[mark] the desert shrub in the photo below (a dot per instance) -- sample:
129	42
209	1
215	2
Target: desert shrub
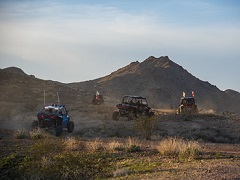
115	146
146	126
49	159
68	165
95	145
9	166
46	146
73	144
177	147
134	148
22	134
120	172
133	144
36	134
133	141
189	154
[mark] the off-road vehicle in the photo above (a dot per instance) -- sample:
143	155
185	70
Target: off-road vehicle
55	117
132	107
97	99
187	106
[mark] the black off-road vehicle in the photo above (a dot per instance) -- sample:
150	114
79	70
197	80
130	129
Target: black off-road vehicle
187	106
55	117
132	107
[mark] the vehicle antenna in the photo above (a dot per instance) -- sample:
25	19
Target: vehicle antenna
44	97
58	98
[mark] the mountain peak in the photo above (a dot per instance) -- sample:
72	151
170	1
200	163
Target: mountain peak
14	70
162	62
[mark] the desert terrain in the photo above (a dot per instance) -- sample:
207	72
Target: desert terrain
166	146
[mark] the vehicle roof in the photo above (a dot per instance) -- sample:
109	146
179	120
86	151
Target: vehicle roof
54	106
132	96
187	98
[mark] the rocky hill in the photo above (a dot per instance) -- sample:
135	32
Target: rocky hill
98	138
162	81
159	79
22	95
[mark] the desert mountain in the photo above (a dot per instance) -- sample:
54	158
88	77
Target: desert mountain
14	70
22	95
159	79
162	81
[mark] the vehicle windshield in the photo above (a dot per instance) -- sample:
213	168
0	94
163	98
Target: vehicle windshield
190	101
187	101
142	101
48	111
134	100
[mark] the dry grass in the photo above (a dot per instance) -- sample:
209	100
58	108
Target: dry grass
100	145
36	134
130	141
178	147
73	144
120	172
95	145
46	161
114	146
146	126
21	134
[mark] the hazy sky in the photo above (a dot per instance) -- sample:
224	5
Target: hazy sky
73	41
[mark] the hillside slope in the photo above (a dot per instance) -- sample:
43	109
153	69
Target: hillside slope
22	95
162	81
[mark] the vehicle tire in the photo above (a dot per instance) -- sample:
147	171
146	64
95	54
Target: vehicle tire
58	130
70	126
35	124
182	110
130	117
151	114
196	110
178	110
115	115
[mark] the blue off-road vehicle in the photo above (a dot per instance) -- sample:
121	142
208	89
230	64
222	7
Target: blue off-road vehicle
54	116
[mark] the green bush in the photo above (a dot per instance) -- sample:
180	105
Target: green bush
189	154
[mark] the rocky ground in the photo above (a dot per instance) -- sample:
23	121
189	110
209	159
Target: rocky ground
218	137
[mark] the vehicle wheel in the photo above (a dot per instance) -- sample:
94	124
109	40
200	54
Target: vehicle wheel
130	117
115	115
35	124
70	126
178	110
58	130
150	114
182	110
196	111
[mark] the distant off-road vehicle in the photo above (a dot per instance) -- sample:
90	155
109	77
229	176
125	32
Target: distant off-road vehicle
187	106
132	107
54	116
97	99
